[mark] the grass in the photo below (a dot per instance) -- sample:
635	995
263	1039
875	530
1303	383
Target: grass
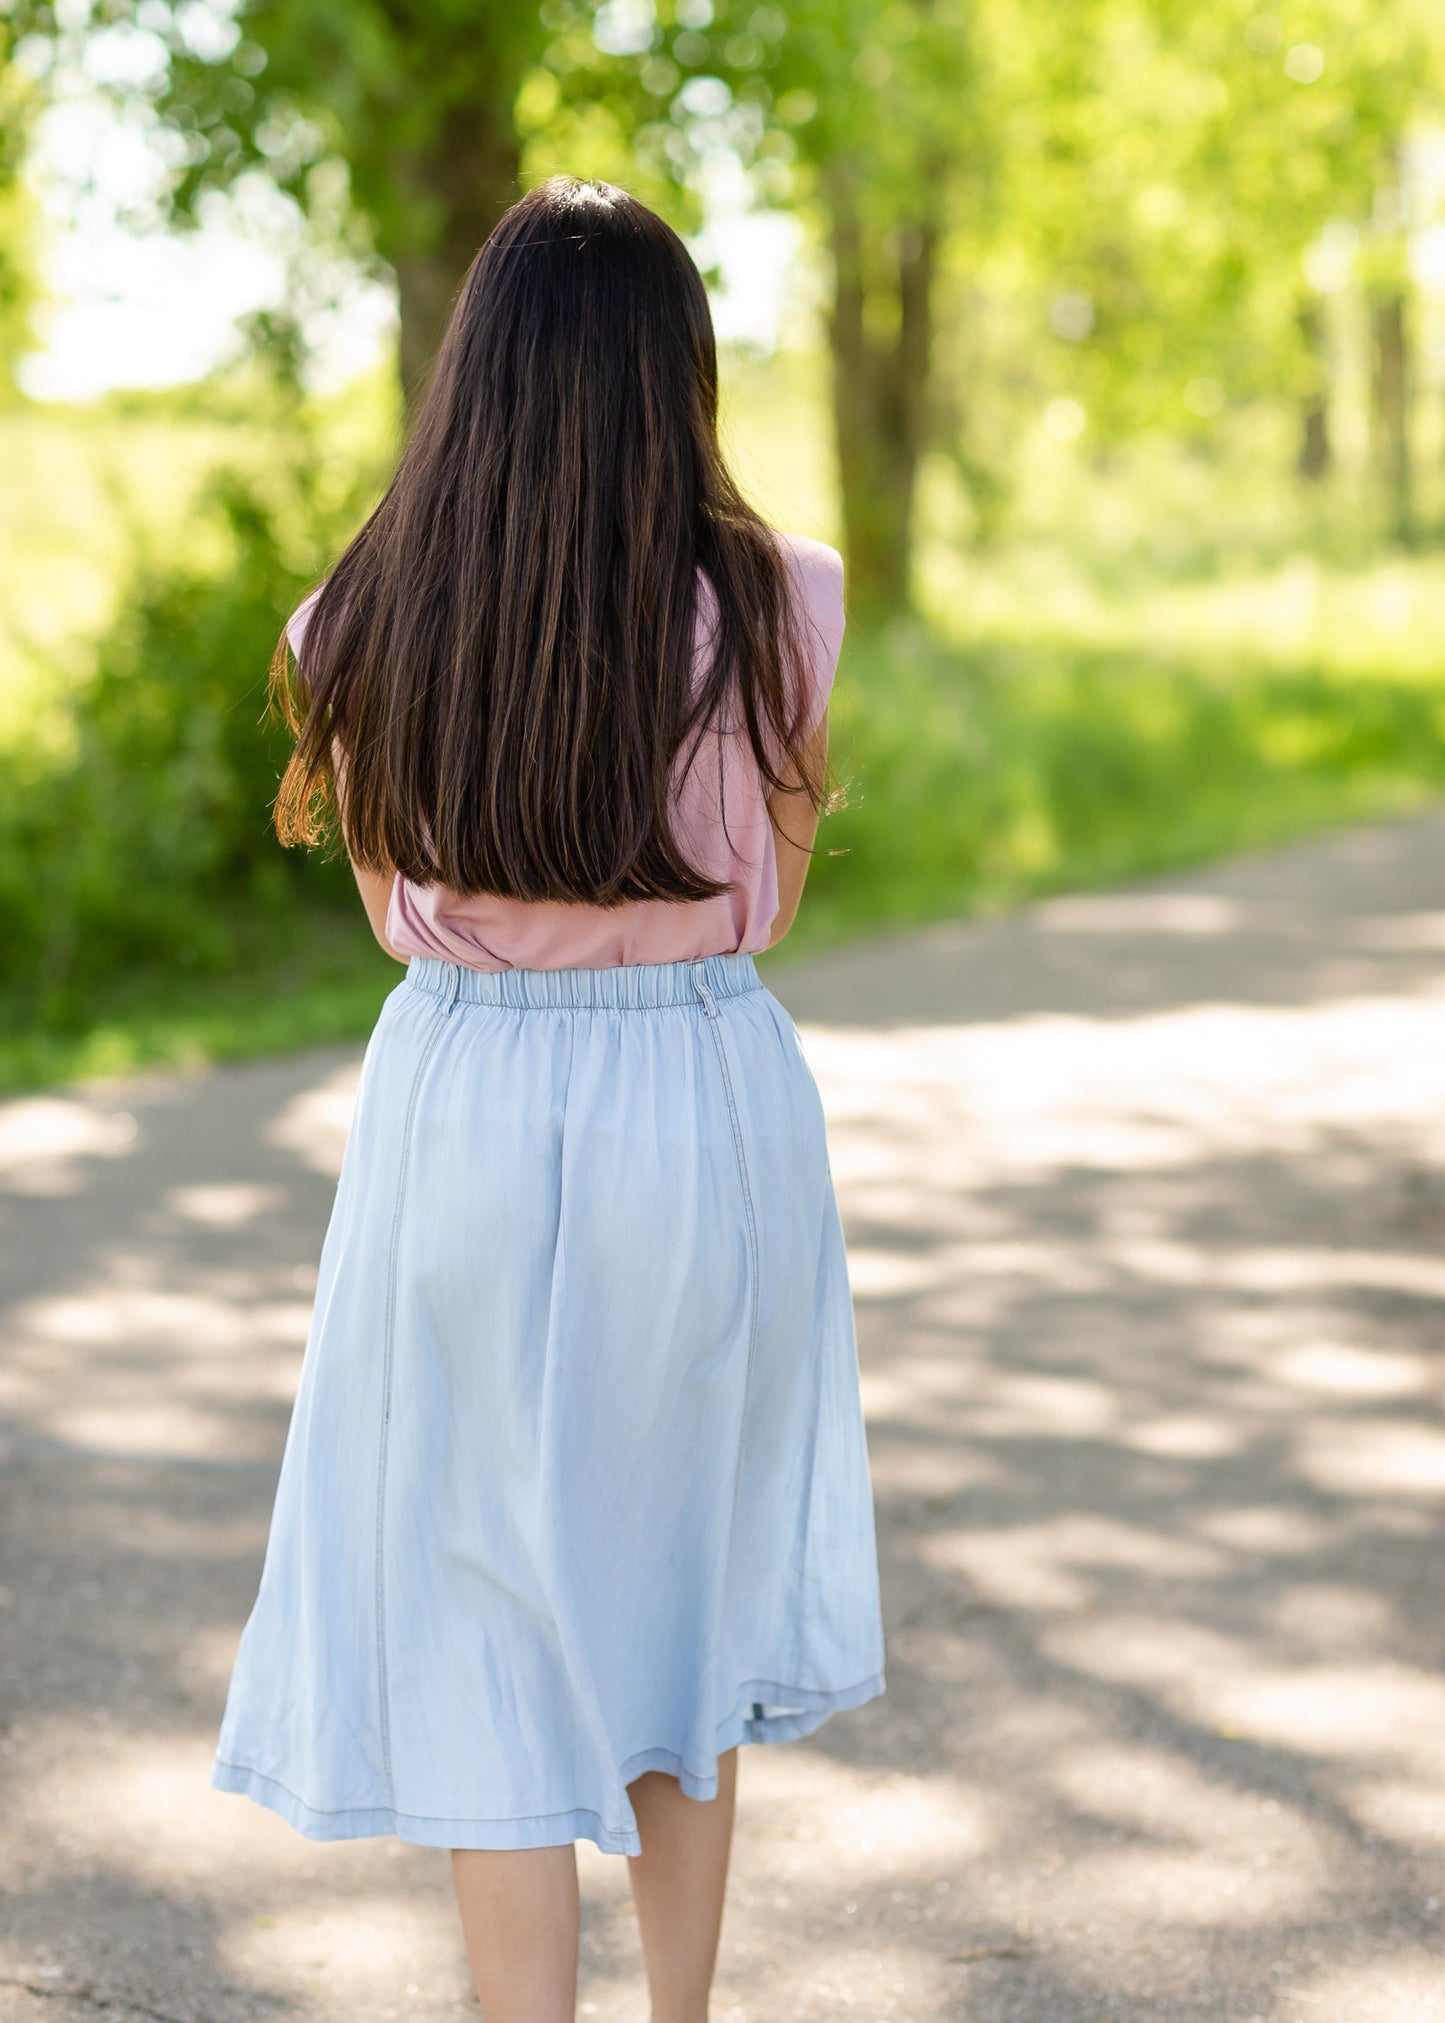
982	775
187	1026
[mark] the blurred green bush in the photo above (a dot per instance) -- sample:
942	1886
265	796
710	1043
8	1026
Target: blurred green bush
981	774
138	846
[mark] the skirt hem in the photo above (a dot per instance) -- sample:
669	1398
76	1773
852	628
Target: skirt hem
806	1710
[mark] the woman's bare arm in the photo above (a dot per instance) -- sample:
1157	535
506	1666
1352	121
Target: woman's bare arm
374	886
795	827
375	889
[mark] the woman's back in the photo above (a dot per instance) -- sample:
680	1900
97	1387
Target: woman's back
720	820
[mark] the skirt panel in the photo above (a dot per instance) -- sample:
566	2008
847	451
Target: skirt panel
576	1482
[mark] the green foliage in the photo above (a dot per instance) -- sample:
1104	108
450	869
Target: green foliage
391	131
142	846
1171	164
18	285
296	91
1110	201
983	774
882	84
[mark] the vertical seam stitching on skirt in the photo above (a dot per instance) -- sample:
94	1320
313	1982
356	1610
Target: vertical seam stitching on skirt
752	1229
388	1338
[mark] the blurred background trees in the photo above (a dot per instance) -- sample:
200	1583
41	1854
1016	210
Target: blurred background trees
18	106
1112	352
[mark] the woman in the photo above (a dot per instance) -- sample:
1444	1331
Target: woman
575	1495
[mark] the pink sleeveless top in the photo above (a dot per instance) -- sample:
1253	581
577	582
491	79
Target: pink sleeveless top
484	932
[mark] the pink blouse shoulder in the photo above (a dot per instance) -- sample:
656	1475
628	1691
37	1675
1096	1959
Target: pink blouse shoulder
816	573
300	618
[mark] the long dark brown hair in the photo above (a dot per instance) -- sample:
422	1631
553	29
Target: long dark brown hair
501	661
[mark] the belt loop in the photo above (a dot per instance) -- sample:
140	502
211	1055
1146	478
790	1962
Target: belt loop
709	1002
454	985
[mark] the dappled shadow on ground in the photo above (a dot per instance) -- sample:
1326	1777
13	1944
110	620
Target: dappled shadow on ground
1149	1291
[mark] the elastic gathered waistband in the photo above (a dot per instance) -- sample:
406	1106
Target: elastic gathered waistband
635	986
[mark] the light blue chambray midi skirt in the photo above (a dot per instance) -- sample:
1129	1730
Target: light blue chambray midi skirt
576	1482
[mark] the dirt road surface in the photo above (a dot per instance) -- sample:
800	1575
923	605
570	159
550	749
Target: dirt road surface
1145	1200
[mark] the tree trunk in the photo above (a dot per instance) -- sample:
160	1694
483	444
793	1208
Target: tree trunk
1392	410
880	388
468	174
1315	450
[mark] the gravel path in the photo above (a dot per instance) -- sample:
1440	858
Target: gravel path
1145	1198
